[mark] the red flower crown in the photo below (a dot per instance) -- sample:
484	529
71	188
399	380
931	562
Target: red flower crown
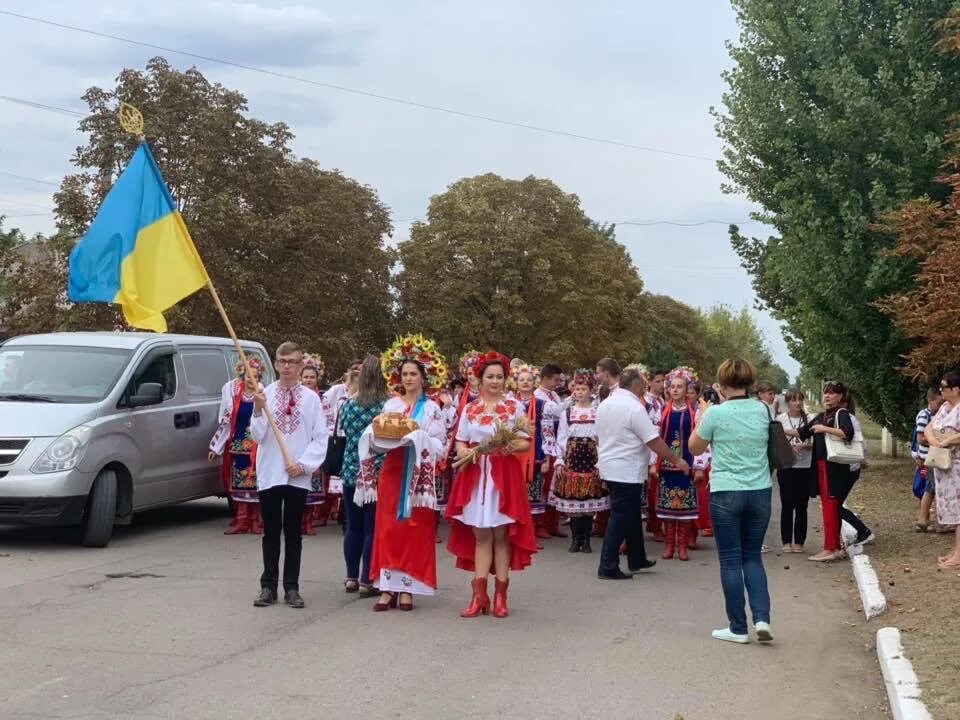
491	357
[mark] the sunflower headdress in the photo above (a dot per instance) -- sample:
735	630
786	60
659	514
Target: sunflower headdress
517	371
418	349
683	373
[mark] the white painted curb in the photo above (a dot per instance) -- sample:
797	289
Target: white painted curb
872	597
903	689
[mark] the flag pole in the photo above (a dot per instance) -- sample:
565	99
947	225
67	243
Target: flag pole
131	120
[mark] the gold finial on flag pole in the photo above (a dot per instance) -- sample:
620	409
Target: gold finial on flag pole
131	119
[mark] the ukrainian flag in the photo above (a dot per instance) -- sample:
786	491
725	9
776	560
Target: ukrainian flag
138	252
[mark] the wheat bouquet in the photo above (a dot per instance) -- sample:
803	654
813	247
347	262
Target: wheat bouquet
503	436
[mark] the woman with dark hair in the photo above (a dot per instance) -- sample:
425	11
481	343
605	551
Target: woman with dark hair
944	432
834	480
354	417
404	557
795	482
489	510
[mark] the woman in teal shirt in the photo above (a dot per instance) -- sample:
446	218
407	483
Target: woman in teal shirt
740	494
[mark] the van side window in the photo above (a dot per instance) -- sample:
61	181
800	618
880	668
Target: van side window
159	370
206	372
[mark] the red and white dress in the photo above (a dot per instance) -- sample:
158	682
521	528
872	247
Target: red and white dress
404	557
490	492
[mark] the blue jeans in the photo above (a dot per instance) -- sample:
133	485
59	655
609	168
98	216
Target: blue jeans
740	519
358	537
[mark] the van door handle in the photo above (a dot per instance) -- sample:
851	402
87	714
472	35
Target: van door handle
181	421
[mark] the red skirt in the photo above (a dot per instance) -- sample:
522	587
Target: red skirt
407	546
508	479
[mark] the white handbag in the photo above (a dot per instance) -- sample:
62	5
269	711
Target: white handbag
840	451
939	458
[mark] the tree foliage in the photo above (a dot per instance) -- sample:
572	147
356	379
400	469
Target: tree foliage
732	333
677	335
516	265
295	251
835	115
928	233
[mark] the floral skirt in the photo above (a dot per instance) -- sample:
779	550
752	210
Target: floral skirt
535	492
677	496
317	496
579	489
243	479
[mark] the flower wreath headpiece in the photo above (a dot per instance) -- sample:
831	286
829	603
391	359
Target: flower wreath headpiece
519	370
640	368
491	357
467	363
256	364
314	362
583	376
418	349
683	373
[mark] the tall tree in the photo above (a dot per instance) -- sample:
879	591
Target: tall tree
677	336
516	265
735	334
295	251
835	114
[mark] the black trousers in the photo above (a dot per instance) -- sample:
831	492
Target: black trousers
794	495
626	523
282	510
848	515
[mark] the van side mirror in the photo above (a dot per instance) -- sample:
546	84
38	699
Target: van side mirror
147	394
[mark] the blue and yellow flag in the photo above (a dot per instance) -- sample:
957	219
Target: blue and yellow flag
138	252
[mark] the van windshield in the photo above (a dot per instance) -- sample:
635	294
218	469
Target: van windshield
59	374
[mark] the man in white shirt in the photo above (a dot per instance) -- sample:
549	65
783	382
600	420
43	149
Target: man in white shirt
608	377
626	437
283	482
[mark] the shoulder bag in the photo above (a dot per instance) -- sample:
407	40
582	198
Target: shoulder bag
939	458
841	452
779	452
336	446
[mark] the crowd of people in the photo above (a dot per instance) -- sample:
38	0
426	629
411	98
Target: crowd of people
506	454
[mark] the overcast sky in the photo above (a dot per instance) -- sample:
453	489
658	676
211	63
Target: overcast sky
644	74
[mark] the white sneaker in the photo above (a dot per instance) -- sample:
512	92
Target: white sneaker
763	632
726	635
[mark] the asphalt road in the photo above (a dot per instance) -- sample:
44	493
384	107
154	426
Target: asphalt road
161	625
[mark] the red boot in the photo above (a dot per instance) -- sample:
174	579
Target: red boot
322	514
683	532
256	521
600	523
500	609
480	602
240	523
552	517
692	535
670	539
540	523
309	518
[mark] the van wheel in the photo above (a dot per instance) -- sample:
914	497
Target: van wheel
101	510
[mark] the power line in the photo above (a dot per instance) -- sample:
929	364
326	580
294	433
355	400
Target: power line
675	223
28	179
363	93
42	106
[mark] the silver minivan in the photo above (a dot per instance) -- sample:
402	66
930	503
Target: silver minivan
97	426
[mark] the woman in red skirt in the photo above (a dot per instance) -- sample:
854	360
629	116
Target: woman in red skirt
489	510
404	558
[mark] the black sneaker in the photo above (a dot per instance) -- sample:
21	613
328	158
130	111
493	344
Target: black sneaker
617	574
645	565
293	599
265	598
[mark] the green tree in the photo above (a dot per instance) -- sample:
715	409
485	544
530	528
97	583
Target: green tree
735	334
296	252
677	336
516	265
835	114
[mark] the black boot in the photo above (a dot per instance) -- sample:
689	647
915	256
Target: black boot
585	528
576	540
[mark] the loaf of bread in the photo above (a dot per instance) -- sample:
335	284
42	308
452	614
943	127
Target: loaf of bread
393	426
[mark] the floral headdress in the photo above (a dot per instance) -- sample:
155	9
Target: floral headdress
418	349
640	368
256	364
491	357
467	363
313	362
683	373
519	370
583	376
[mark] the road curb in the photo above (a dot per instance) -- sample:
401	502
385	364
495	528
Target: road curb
871	596
903	688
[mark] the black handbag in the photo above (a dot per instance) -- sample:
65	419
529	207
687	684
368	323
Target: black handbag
779	452
336	446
